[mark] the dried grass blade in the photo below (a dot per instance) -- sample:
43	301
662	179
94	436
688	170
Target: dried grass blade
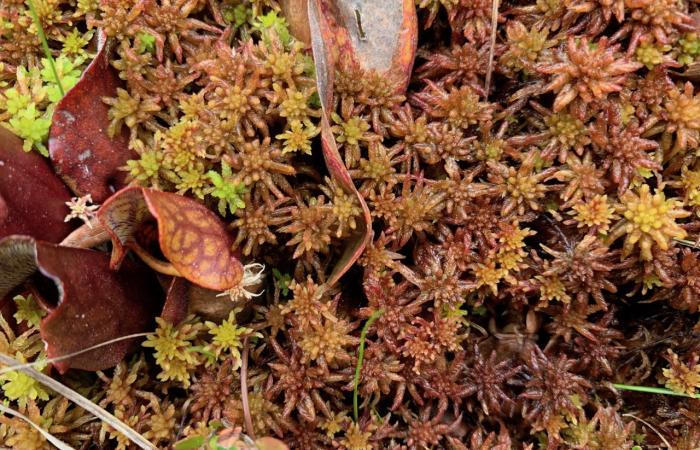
492	49
83	402
41	362
49	437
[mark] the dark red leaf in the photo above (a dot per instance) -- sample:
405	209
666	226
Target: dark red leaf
192	238
87	302
83	154
32	197
176	301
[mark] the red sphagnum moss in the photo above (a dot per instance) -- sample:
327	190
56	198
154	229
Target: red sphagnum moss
531	241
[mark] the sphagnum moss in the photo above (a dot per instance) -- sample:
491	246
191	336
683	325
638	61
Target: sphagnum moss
525	247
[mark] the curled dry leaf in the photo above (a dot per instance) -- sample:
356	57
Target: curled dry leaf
327	40
376	35
362	235
83	154
191	237
32	197
88	303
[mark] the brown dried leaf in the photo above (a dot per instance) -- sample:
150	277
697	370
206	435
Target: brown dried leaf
376	35
358	241
88	303
324	81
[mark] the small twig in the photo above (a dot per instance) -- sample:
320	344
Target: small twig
358	20
651	427
687	243
492	49
45	45
244	390
185	410
360	356
561	234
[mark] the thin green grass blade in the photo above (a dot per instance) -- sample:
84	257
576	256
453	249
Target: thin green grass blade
360	356
652	390
45	45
